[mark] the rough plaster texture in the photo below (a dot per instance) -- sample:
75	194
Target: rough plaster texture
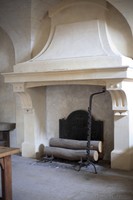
7	98
40	24
125	7
15	37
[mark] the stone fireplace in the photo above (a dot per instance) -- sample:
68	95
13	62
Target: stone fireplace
85	51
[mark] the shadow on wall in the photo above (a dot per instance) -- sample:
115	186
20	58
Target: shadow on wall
7	55
7	99
7	52
40	152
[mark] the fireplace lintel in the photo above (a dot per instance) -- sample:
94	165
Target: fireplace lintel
53	76
111	78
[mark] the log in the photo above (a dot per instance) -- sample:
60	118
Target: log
69	154
75	144
96	145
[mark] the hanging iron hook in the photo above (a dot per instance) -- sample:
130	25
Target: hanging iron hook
88	162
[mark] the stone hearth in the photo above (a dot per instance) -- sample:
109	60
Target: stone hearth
83	48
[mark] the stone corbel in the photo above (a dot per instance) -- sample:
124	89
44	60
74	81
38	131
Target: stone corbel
119	98
26	102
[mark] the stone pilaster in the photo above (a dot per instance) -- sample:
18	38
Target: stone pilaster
122	155
33	104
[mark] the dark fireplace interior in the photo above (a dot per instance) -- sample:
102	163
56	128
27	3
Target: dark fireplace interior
75	126
74	142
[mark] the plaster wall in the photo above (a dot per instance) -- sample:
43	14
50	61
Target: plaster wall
7	61
126	8
15	46
40	24
15	20
7	98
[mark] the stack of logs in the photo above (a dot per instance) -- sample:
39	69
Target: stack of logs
73	150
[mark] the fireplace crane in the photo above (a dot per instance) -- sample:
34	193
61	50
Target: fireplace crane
89	127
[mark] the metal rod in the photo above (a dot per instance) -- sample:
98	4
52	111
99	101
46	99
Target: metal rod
90	120
89	126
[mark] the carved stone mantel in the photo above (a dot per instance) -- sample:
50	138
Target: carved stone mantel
56	76
111	78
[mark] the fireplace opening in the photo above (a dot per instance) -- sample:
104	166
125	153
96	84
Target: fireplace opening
75	127
73	143
69	103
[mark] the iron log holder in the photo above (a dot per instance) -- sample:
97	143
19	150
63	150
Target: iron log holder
89	127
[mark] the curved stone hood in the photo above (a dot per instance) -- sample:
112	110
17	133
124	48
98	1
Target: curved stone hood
83	37
85	46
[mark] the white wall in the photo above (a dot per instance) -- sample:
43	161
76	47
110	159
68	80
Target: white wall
126	8
15	33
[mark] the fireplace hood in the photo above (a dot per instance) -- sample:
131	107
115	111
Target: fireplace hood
84	43
89	43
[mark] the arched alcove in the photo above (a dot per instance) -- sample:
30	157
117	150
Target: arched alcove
7	98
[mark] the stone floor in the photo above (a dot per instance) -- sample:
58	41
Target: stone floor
60	181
